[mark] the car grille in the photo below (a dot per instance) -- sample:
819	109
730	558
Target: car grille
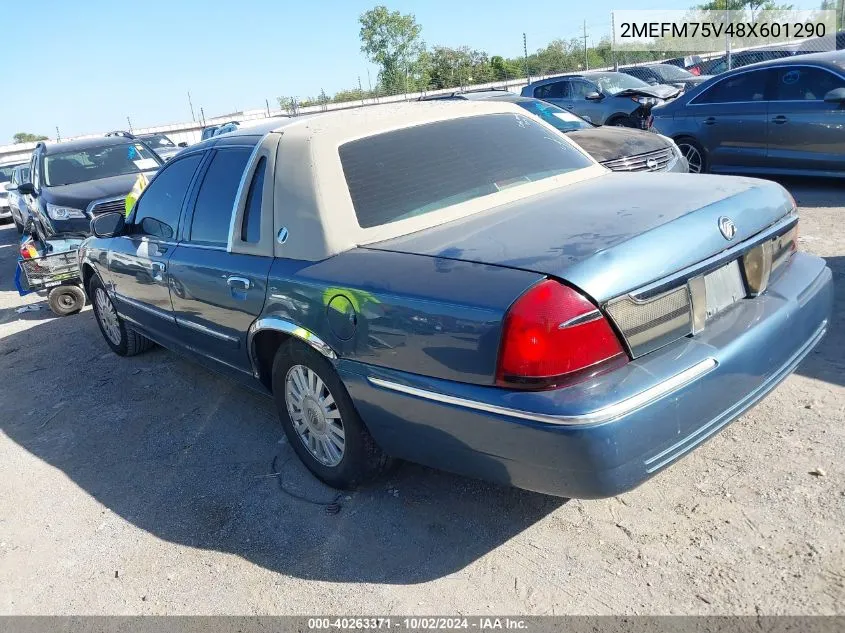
650	161
104	206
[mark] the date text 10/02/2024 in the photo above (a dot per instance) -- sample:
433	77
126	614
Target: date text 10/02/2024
417	623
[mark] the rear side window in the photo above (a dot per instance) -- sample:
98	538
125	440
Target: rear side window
416	170
559	90
251	228
216	197
804	83
750	86
157	211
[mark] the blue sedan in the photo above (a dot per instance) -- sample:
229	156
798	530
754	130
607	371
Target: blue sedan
460	285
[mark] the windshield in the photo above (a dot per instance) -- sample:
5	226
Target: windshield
611	83
417	170
97	162
558	117
157	141
667	72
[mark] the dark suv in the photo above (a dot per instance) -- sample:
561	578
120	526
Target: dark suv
72	182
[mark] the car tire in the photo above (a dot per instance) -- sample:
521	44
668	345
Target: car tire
66	300
694	153
123	340
320	420
616	121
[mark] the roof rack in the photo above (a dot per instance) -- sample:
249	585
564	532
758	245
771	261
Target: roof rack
122	133
457	93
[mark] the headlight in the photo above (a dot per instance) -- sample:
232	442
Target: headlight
57	212
647	101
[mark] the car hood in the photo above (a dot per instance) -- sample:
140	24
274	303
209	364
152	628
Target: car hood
611	143
610	234
661	91
167	151
81	194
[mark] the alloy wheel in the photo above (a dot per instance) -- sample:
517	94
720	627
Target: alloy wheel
315	415
693	156
108	316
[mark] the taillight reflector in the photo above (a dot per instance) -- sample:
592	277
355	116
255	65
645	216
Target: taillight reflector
552	336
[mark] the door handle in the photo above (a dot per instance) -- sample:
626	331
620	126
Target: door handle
238	283
710	120
158	270
780	119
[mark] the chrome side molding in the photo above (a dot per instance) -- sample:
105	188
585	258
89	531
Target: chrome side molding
606	414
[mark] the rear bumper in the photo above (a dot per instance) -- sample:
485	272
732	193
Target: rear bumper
608	435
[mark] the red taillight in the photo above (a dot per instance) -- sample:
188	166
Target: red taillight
552	336
695	70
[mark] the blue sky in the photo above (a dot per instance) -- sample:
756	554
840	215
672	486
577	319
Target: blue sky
85	66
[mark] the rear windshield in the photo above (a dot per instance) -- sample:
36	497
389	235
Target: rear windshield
412	171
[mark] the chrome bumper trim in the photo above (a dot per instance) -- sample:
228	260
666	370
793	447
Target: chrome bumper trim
599	416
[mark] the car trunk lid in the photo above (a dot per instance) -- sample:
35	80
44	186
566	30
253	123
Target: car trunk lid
608	235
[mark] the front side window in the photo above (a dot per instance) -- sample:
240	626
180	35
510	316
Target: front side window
580	89
412	171
68	168
804	83
157	211
216	197
744	87
667	72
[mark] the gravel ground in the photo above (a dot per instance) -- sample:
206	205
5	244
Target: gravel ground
147	485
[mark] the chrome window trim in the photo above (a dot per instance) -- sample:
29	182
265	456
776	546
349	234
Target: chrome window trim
692	102
606	414
210	247
247	170
206	330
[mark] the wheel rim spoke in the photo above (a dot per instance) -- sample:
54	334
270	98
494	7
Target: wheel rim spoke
314	414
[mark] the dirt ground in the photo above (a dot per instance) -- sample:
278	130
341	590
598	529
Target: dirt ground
146	486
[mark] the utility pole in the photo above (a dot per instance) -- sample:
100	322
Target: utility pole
613	41
586	61
267	103
130	124
727	37
202	116
525	50
58	134
360	90
190	103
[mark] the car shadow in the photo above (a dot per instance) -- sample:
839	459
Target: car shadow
827	361
194	459
813	193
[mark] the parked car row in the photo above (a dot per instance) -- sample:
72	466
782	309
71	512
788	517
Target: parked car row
458	283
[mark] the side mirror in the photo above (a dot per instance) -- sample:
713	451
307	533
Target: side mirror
183	144
26	189
108	224
837	95
593	96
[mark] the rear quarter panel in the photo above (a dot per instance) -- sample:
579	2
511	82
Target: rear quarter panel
432	316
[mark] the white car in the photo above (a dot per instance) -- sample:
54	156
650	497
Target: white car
5	179
17	202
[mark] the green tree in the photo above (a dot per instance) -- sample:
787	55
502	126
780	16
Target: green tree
392	41
754	6
26	137
288	104
504	69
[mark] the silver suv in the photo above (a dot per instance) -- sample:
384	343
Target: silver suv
603	98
